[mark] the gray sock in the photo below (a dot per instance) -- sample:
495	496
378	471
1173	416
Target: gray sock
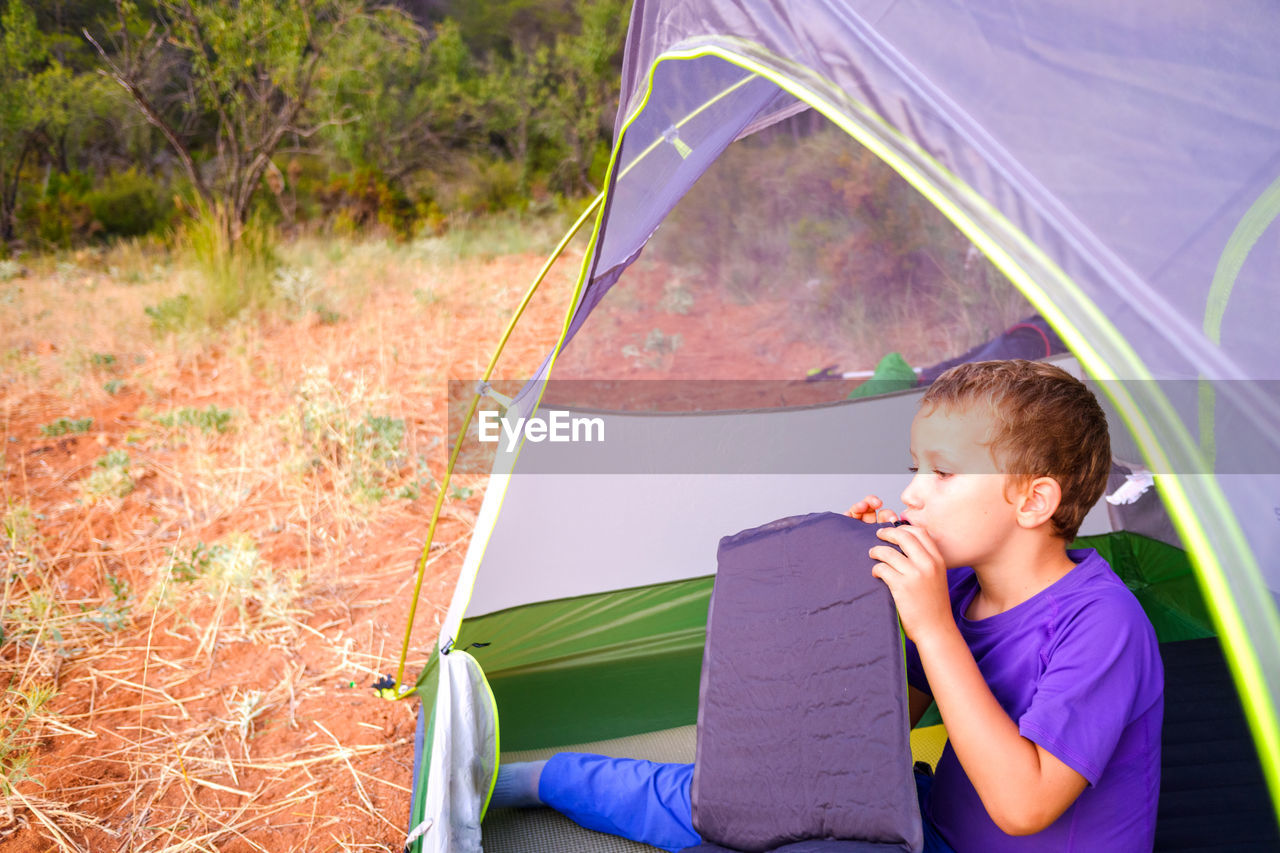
517	785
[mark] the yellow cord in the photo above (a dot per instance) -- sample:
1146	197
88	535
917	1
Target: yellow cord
400	690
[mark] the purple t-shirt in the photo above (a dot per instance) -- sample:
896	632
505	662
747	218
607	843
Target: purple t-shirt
1077	666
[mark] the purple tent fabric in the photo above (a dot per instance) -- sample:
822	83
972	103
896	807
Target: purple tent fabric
802	724
1031	339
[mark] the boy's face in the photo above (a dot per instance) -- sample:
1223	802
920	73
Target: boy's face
958	494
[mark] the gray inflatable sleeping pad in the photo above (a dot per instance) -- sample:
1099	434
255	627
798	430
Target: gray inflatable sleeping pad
803	740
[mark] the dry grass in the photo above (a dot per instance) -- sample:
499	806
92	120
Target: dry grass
199	587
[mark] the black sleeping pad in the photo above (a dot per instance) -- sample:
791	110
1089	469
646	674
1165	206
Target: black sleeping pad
1212	792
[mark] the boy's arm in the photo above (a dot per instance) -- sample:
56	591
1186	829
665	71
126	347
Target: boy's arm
1023	787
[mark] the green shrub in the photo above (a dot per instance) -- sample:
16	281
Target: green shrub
128	204
11	269
366	198
493	186
207	420
62	426
19	737
58	215
110	477
236	274
169	315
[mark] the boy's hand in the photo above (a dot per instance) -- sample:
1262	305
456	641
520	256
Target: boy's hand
867	509
917	579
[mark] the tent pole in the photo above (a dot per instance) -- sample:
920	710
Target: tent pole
397	688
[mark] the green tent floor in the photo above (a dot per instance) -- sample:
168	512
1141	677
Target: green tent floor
547	831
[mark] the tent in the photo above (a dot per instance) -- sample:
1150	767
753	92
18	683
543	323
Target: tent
1118	164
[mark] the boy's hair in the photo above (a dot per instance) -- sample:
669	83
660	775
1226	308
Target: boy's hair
1045	423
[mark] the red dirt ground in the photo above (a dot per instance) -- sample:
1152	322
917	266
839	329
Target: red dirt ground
143	742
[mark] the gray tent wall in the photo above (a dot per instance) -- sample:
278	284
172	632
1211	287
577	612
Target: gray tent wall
1119	165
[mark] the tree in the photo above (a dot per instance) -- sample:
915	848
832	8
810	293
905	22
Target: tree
580	90
406	97
33	105
248	69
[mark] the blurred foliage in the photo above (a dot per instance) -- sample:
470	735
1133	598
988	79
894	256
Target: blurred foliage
798	215
128	204
400	116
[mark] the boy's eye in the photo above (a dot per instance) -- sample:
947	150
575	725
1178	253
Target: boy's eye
914	469
942	475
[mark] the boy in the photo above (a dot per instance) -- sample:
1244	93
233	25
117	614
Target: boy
1044	668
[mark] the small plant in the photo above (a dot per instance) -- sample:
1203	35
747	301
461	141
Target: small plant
299	288
110	478
63	426
211	419
192	567
245	712
170	314
102	359
113	614
112	386
19	526
676	298
413	490
236	274
427	296
327	316
363	451
11	269
233	576
18	739
657	345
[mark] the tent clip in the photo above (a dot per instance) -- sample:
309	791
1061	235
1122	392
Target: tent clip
484	389
387	688
448	647
672	135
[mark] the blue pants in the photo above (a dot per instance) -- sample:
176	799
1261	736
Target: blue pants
645	801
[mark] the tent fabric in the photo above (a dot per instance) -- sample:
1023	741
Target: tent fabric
803	699
464	759
1032	339
1119	164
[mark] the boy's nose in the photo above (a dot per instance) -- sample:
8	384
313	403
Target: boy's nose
909	496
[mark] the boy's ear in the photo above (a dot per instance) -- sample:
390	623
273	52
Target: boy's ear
1039	500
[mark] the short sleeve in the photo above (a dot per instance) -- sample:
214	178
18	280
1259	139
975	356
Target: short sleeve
1098	675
